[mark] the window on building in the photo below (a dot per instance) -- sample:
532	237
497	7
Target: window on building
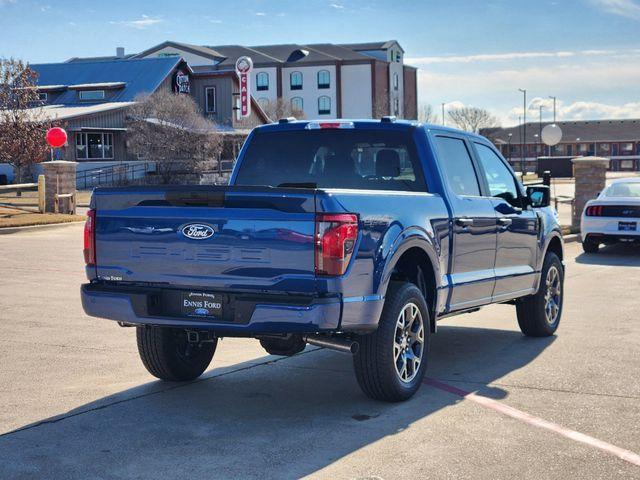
583	147
296	81
262	81
324	79
324	105
398	57
626	148
210	99
91	94
396	106
297	104
263	102
396	81
604	149
94	146
42	96
457	166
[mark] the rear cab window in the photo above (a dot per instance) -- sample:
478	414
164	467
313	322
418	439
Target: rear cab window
360	158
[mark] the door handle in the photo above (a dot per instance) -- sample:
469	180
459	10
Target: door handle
504	221
464	222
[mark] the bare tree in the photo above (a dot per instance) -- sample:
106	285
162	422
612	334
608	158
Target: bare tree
23	125
168	128
472	119
281	108
426	114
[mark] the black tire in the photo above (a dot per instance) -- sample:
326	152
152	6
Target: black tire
374	363
590	246
167	355
285	347
532	310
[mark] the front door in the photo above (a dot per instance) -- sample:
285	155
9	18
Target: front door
474	226
518	227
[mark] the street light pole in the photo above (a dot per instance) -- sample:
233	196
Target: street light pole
509	147
443	114
554	108
524	128
540	129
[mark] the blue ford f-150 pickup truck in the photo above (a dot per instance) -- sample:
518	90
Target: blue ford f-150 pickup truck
352	235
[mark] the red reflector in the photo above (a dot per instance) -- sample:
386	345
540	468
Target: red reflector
90	238
336	235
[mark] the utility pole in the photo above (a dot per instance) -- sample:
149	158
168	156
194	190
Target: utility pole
443	123
524	129
554	108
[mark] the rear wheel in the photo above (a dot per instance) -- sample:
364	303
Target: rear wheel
539	314
590	246
168	355
391	362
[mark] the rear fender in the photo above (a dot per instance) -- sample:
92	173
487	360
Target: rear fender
413	238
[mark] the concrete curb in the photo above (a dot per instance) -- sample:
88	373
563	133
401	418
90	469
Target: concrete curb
27	228
573	237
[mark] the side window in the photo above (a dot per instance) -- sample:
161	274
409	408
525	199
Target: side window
457	166
499	177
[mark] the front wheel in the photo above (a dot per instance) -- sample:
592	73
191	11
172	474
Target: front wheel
168	355
539	314
391	362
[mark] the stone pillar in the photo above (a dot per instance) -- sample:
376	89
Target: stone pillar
590	174
60	178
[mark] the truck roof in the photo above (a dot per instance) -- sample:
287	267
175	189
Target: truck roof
384	123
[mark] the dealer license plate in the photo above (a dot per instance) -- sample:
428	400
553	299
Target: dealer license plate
201	304
627	226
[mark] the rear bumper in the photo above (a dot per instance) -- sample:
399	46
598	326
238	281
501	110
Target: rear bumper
608	228
247	315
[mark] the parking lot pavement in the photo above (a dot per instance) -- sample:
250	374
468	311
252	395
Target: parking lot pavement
75	401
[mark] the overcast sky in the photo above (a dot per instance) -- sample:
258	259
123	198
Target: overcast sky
585	52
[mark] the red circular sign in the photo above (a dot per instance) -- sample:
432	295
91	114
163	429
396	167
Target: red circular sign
56	137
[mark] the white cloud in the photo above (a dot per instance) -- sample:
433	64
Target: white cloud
215	21
579	110
337	6
623	8
45	8
504	57
585	82
142	23
6	2
261	14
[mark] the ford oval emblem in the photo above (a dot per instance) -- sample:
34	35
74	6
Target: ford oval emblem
197	231
201	311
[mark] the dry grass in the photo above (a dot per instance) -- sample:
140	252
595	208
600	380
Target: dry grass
30	199
10	217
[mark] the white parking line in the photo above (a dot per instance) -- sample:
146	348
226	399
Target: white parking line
623	454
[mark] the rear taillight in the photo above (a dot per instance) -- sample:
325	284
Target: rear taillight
594	211
336	235
90	238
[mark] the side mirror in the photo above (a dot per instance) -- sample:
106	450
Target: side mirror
539	196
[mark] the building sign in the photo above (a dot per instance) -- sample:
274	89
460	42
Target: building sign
243	67
181	82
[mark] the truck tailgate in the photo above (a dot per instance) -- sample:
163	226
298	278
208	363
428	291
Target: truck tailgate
219	237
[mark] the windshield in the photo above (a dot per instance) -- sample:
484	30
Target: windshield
333	158
626	189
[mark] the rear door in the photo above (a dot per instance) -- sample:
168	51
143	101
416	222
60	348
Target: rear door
518	227
474	225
